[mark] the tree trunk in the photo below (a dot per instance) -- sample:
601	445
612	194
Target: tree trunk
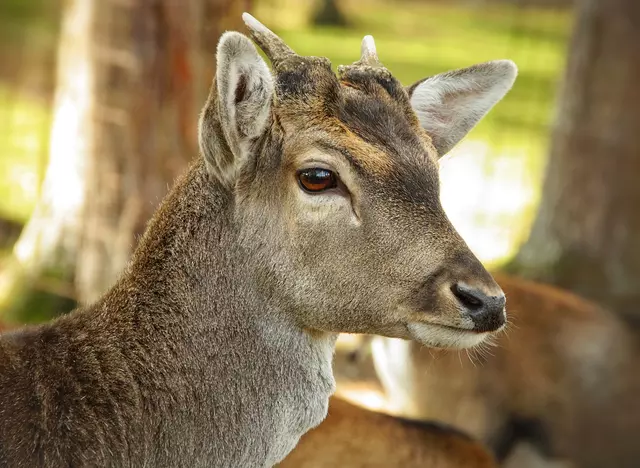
50	237
132	76
586	237
150	82
329	14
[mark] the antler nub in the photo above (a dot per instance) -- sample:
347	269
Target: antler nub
368	54
272	45
253	24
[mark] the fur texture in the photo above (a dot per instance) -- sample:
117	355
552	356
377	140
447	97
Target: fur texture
214	347
449	105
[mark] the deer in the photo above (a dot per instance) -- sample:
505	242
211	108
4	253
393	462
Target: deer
312	209
562	382
354	437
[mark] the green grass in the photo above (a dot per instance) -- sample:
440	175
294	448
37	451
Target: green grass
23	142
26	26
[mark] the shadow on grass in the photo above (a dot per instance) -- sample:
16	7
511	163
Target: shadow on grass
33	305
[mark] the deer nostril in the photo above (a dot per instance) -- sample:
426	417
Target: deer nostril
469	297
486	312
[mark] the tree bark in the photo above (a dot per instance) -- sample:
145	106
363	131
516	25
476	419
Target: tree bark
586	237
132	75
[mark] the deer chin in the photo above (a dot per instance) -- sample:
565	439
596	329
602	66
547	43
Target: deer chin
443	336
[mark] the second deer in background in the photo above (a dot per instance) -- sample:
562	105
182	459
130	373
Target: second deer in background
355	437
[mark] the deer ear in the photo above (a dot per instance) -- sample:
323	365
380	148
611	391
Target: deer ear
449	105
238	109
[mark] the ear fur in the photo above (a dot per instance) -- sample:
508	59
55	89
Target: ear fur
238	109
450	104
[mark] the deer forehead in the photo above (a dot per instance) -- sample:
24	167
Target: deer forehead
371	132
380	136
366	112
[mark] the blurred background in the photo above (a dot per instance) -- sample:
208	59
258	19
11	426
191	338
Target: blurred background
99	101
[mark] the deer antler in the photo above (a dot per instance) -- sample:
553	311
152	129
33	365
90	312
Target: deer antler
274	47
368	54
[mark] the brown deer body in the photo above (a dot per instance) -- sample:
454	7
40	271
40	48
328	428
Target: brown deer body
313	210
354	437
564	378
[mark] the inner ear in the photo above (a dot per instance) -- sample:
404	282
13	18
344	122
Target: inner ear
449	105
238	108
241	89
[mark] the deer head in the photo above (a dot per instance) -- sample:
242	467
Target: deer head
335	189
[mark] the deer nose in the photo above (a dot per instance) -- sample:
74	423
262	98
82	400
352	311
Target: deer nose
486	312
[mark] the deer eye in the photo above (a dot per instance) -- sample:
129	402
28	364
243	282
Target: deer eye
317	180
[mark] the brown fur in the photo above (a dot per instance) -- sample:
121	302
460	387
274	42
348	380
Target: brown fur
364	129
564	377
214	347
354	437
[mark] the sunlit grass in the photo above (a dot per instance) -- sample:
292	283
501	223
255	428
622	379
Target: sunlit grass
23	141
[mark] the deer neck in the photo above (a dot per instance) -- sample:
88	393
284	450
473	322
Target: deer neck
217	333
189	261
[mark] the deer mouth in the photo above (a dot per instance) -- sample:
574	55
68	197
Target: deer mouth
445	336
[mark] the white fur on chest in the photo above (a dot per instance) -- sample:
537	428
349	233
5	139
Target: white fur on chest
305	384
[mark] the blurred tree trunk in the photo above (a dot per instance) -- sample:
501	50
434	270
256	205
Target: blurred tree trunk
328	13
132	76
586	237
151	80
49	239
